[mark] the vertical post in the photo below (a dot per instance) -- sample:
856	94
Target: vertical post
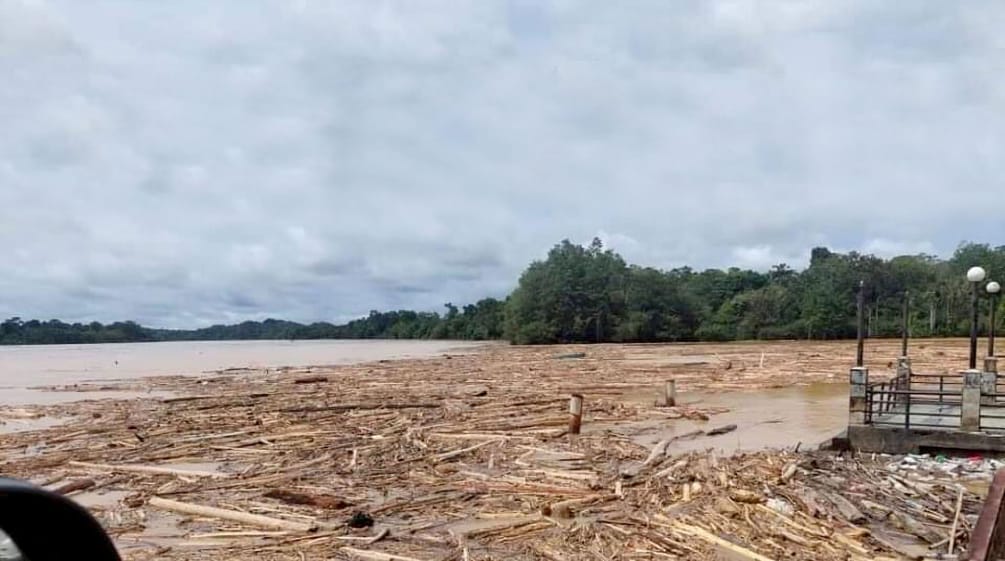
989	381
857	402
670	393
860	350
903	378
973	326
904	324
575	413
970	410
991	324
907	414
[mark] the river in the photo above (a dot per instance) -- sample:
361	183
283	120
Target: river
24	367
805	415
764	418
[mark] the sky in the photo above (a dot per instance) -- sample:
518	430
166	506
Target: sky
185	163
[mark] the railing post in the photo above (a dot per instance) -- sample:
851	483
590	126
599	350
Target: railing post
989	381
859	382
970	408
907	414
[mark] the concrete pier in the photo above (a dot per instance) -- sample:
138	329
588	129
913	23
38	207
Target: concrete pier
970	410
989	381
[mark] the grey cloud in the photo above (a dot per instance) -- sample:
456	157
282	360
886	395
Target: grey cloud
187	163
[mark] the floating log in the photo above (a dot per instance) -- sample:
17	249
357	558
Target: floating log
367	555
231	515
311	380
320	501
721	430
153	470
73	486
362	406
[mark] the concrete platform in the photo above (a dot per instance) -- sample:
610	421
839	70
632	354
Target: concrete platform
932	427
940	417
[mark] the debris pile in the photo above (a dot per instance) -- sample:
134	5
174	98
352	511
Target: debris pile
468	459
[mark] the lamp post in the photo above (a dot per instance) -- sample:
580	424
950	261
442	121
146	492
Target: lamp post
904	324
975	275
993	289
860	321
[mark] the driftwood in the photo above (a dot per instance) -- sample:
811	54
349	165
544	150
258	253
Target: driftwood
956	521
320	501
230	515
655	454
185	398
367	555
721	430
73	486
848	510
311	380
361	406
730	546
154	470
463	476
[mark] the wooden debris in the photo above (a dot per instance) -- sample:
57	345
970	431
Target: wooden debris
231	515
320	501
366	555
419	447
311	380
729	546
78	485
721	430
849	511
156	470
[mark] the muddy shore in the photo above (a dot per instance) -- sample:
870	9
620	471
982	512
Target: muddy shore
467	457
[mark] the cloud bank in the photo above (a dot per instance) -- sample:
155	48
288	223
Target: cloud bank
183	163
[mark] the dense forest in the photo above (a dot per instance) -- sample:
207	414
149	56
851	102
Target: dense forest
590	294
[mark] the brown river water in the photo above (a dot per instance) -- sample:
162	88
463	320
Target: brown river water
767	418
25	367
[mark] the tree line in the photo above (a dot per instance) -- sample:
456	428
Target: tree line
591	294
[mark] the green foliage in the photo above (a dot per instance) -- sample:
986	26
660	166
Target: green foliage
590	294
557	299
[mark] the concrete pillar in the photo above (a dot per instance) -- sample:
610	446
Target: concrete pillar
970	411
859	379
989	381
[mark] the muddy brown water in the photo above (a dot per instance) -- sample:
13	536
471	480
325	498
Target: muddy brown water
25	367
767	418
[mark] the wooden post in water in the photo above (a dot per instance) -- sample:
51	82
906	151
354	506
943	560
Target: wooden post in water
670	393
575	413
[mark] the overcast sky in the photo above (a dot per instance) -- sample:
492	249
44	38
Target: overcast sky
188	162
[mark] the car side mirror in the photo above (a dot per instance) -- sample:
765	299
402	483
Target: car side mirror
38	525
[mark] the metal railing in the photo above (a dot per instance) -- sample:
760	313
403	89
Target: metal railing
912	401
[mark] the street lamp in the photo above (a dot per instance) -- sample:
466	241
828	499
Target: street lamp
975	275
993	289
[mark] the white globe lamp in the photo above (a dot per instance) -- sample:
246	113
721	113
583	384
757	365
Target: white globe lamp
976	274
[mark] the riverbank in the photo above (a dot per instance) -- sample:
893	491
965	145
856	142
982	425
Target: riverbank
466	456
